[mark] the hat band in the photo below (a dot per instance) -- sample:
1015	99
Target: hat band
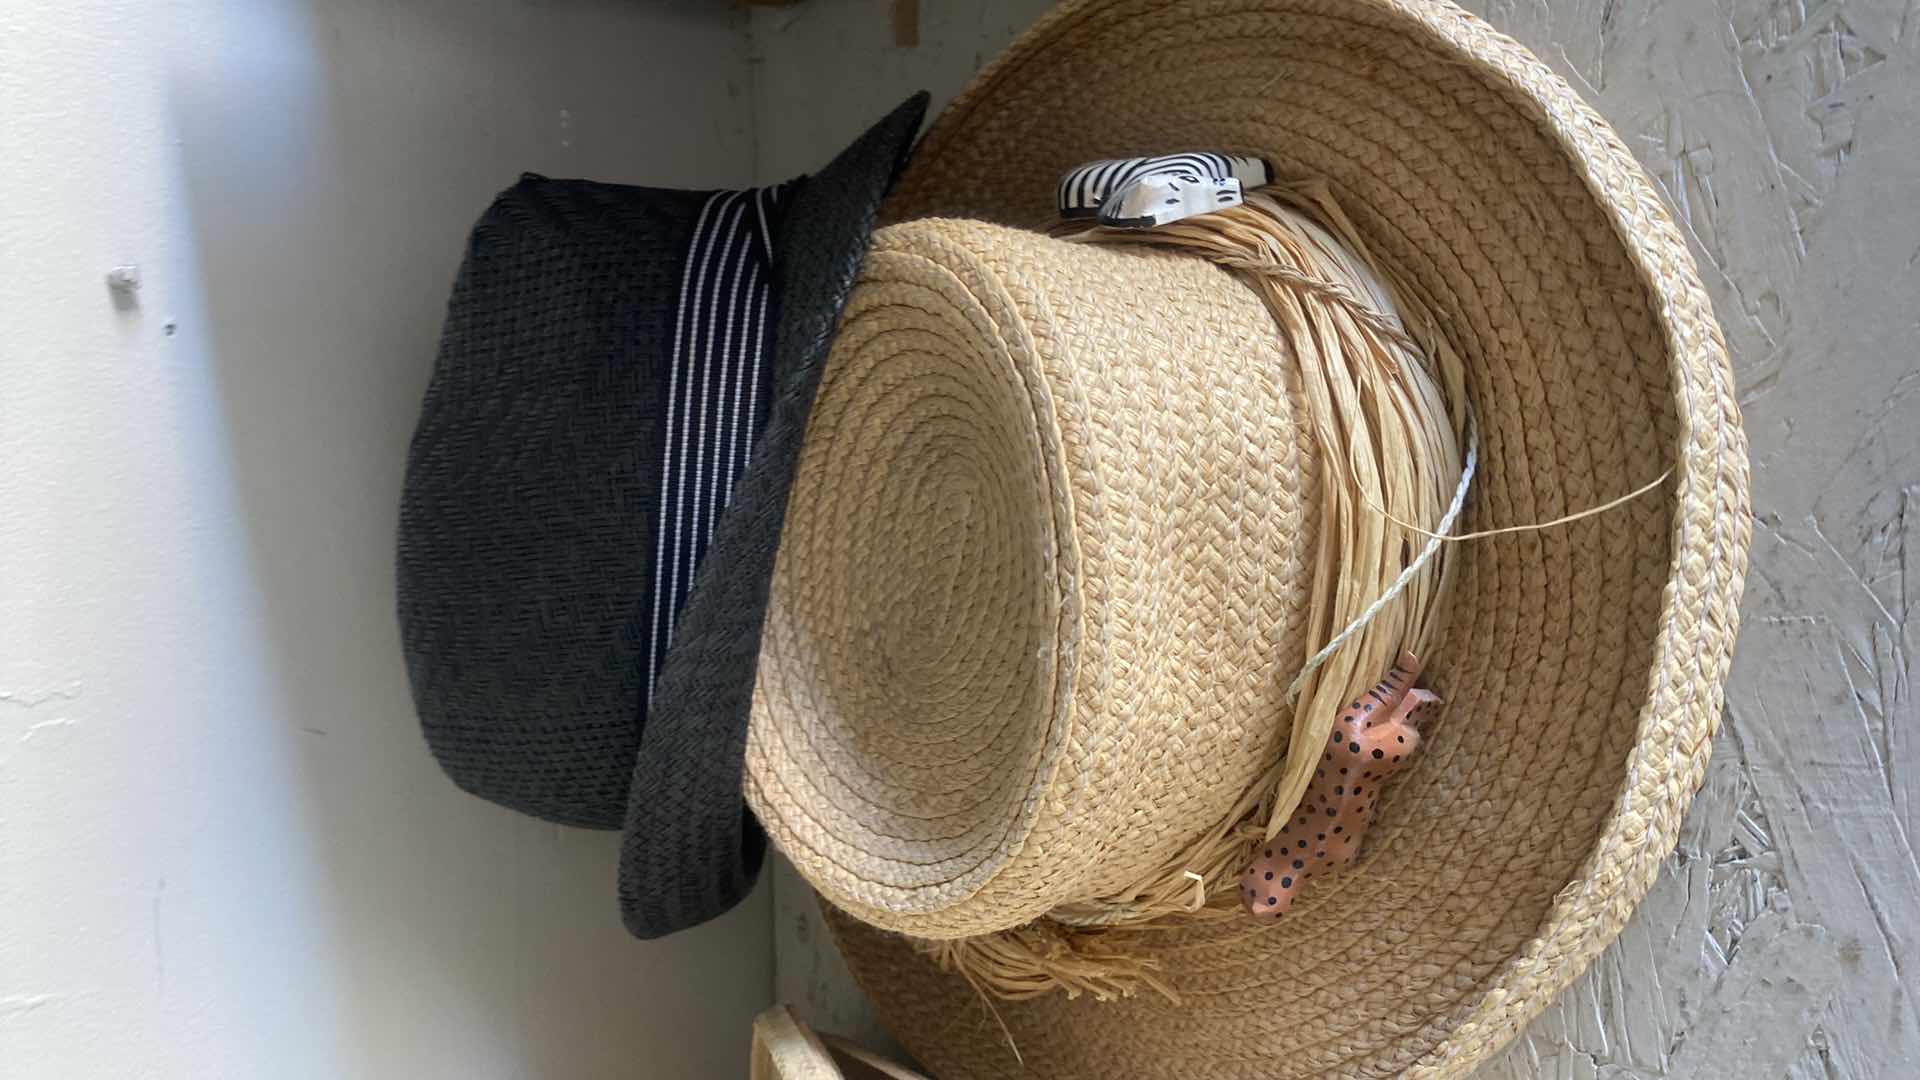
717	389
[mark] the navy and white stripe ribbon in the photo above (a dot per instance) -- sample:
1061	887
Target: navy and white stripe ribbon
717	386
1139	193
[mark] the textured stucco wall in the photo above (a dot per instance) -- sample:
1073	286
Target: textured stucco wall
224	849
1782	940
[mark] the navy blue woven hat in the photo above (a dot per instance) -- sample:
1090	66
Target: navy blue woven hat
594	497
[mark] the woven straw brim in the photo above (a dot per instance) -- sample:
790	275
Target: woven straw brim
1582	666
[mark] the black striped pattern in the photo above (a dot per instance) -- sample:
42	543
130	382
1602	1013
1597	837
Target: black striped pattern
1083	190
716	390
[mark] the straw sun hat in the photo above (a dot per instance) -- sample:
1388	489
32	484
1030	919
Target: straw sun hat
1040	591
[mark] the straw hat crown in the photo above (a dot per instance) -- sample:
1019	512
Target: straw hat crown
1044	640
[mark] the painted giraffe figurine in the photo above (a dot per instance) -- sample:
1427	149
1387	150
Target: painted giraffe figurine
1374	737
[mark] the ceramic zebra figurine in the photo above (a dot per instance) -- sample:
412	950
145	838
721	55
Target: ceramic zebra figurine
1139	193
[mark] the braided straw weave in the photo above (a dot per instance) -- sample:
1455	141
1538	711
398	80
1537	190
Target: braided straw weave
1017	653
1046	537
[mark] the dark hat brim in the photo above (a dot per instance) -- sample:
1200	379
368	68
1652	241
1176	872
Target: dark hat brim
692	848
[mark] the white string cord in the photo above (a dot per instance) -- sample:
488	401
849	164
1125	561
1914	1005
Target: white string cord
1407	575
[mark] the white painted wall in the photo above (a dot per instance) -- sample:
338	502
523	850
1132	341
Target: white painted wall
224	848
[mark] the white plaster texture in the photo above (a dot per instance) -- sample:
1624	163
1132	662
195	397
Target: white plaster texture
224	848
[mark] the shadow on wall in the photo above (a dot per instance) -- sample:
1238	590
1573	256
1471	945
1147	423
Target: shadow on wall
334	157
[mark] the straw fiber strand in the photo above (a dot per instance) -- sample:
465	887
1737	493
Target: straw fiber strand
1582	665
